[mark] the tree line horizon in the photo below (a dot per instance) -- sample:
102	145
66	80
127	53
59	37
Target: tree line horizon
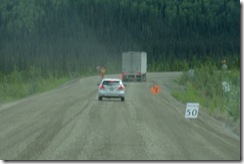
63	36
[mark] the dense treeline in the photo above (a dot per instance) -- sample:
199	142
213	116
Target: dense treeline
68	36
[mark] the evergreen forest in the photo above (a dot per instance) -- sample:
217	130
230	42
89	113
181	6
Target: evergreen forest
63	37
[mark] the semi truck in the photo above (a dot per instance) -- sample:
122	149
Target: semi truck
134	66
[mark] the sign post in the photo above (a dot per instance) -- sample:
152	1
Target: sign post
98	69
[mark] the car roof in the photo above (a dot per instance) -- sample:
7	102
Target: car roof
111	79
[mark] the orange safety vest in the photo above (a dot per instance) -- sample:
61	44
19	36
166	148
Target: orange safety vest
102	72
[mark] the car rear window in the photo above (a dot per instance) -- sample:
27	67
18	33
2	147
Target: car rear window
110	82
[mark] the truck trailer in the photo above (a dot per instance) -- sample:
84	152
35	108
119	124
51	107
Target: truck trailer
134	66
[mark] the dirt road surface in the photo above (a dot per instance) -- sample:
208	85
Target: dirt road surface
69	123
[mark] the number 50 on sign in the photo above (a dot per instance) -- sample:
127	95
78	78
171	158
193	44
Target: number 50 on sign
192	110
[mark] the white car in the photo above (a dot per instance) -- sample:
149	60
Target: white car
111	88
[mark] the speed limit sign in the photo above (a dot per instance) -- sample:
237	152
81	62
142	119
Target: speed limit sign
192	110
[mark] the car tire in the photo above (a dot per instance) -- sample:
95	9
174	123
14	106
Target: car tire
100	98
122	99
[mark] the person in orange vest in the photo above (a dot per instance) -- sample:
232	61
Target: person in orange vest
102	72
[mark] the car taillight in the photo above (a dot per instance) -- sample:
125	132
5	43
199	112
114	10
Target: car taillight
101	87
121	87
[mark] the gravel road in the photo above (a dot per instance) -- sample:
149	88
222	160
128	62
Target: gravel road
69	123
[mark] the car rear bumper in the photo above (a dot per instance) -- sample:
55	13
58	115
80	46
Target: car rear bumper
111	95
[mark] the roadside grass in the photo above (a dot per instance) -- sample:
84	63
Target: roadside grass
19	85
206	88
188	94
13	91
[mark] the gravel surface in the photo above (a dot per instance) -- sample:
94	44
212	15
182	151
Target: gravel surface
69	123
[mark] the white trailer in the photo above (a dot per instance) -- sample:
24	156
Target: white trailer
134	66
